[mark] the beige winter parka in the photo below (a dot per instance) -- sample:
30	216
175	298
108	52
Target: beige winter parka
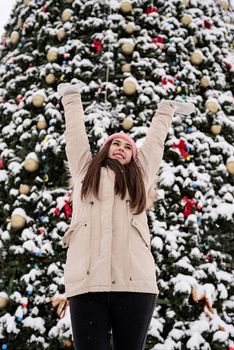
108	247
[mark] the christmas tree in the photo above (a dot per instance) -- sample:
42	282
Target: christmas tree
129	55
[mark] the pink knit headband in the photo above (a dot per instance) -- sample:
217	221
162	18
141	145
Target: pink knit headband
125	137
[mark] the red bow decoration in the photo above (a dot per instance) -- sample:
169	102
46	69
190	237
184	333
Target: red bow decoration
165	79
189	203
158	41
228	66
182	149
67	209
151	10
66	206
98	45
207	24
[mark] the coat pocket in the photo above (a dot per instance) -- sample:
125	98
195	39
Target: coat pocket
142	263
143	230
77	259
68	233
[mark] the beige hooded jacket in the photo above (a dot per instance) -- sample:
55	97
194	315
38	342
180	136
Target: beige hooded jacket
109	247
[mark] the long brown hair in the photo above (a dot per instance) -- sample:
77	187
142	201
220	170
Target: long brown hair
129	176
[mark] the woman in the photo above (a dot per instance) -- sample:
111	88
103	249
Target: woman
109	274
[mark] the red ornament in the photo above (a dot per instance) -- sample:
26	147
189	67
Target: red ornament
41	230
159	42
164	80
66	207
57	212
24	305
167	79
151	10
228	65
98	44
182	149
67	210
44	9
207	24
208	258
1	164
66	56
189	203
160	39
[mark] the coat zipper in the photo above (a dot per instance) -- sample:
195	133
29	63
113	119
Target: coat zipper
89	238
129	244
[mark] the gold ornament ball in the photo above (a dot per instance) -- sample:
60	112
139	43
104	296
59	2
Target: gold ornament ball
50	79
129	86
18	222
186	20
197	57
130	27
52	55
205	81
227	19
230	167
38	100
179	89
31	165
24	189
126	6
194	39
3	301
15	37
185	2
224	5
61	34
216	129
42	124
127	48
126	68
66	15
127	123
212	105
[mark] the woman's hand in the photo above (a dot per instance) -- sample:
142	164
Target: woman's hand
60	305
184	108
67	88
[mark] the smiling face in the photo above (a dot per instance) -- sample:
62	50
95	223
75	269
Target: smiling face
121	150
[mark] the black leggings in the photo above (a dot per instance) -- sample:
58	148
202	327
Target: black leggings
95	315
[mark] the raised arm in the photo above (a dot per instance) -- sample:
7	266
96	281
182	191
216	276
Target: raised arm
77	144
151	152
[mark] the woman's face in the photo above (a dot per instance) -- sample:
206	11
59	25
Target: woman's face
121	150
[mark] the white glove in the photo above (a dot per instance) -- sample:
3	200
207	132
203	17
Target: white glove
67	88
184	108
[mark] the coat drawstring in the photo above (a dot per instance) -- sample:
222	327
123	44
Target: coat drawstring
129	243
89	238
